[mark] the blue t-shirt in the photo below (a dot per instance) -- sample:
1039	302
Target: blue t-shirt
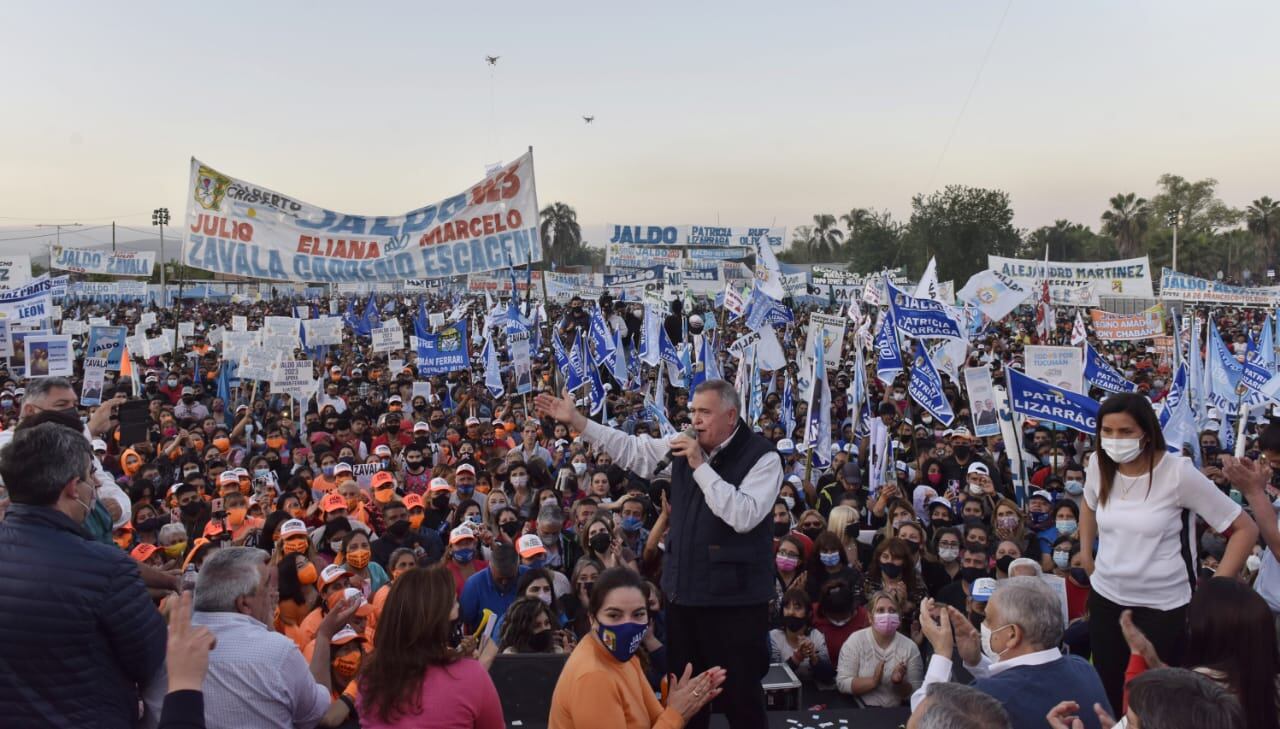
480	592
1029	692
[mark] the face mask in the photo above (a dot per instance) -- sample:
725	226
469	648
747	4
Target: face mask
793	623
886	623
1066	526
632	523
235	515
149	525
276	443
511	529
192	509
175	550
622	640
934	478
987	650
971	574
549	540
295	545
307	574
1003	563
781	529
811	532
790	502
975	489
347	665
172	383
962	451
829	559
1039	517
335	546
1007	522
948	554
327	470
415	520
1061	559
1080	576
440	502
190	472
579	468
358	558
839	623
536	563
1122	450
1075	488
787	564
545	597
600	542
464	555
466	490
891	570
519	481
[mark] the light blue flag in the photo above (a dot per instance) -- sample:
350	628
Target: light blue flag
1255	375
925	387
1195	375
888	356
817	433
492	373
710	363
1267	345
1047	403
667	351
597	389
788	407
1100	374
650	334
686	365
619	360
1176	419
572	360
1222	373
756	408
601	340
922	318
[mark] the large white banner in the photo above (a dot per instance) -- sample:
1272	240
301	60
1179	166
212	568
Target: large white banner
1079	284
1184	287
236	227
626	256
110	263
29	303
14	271
1059	366
694	235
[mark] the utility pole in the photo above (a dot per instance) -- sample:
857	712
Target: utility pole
113	236
1175	220
58	237
160	217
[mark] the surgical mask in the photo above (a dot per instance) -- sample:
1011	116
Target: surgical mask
549	501
789	501
307	575
975	489
1061	559
787	564
1075	488
829	559
358	558
1066	526
579	468
175	550
886	623
632	523
986	634
948	554
549	540
599	542
1122	450
622	640
172	382
519	481
463	555
934	478
335	545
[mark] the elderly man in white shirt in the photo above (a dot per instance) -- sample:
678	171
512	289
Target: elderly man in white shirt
257	677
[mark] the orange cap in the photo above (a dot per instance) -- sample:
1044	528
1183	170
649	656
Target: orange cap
332	501
143	552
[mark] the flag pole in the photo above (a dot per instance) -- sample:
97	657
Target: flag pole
1013	450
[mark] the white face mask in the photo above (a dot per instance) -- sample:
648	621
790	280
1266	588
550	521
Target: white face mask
975	489
948	554
1122	450
987	650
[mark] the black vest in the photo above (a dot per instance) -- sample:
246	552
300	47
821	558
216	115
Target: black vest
707	562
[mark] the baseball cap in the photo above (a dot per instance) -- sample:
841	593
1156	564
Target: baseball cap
332	501
228	477
421	426
346	635
341	467
380	479
462	531
188	390
530	545
979	467
99	445
961	430
465	468
395	398
212	529
439	484
335	369
982	589
413	501
332	573
143	552
363	607
786	446
382	450
293	528
1042	494
794	480
151	378
473	421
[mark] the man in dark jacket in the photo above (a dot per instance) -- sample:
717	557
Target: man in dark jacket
79	636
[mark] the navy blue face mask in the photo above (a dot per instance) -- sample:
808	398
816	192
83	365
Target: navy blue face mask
622	640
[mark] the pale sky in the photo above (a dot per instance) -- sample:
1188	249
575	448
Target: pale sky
743	113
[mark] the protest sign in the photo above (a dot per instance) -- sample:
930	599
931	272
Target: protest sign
521	364
628	256
256	363
6	345
109	263
48	355
18	356
234	344
982	402
15	271
693	235
71	326
423	390
1183	287
91	389
293	377
500	284
435	319
1058	366
239	323
186	329
323	330
1046	403
830	330
445	351
30	302
387	338
107	343
1080	283
1114	327
237	227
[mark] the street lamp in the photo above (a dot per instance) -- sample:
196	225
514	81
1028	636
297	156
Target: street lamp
160	217
1175	220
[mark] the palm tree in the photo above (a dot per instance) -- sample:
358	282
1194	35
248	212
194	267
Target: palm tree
826	237
1263	220
561	234
1127	221
801	245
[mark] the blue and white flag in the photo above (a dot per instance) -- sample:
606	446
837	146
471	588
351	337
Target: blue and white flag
597	389
655	413
925	388
1255	375
817	432
1222	373
922	318
601	339
788	407
857	392
888	355
421	328
578	363
1176	419
763	309
995	294
667	351
1267	345
445	351
1195	374
1050	404
492	373
619	360
650	336
1100	374
557	349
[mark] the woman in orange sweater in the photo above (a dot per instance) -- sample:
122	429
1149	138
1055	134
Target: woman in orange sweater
603	684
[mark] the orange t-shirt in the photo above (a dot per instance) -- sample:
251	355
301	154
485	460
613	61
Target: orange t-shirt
595	690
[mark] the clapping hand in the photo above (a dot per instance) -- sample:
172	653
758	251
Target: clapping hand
688	695
1063	716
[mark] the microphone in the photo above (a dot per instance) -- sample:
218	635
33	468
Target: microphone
665	461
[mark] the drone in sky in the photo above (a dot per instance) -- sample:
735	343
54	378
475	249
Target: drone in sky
492	60
588	119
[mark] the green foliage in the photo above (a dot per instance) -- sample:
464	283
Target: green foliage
1127	222
1068	241
562	237
960	225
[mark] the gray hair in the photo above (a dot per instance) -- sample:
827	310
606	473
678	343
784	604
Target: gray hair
1036	570
40	389
1177	698
1030	604
228	574
551	514
956	706
40	460
728	395
171	529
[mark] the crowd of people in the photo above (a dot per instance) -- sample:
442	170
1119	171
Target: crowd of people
363	558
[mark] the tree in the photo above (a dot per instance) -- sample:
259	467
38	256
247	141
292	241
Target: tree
1066	241
561	235
877	244
801	245
959	225
1201	209
1127	222
854	221
1262	218
826	238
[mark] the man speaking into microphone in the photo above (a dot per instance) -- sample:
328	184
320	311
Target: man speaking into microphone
718	575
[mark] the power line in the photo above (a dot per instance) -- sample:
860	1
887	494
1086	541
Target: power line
82	217
51	235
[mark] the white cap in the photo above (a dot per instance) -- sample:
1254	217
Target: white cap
786	446
99	444
979	467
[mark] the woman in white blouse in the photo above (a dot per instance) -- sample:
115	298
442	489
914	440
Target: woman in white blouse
1140	504
879	664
